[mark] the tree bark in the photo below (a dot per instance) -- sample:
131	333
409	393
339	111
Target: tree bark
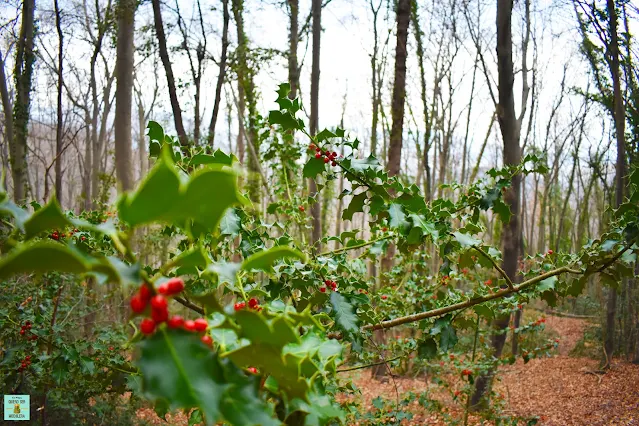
510	238
124	93
58	129
618	113
293	41
168	70
6	108
23	72
316	10
220	77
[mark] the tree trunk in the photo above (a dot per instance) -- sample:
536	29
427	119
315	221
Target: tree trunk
124	93
168	70
618	113
23	72
510	235
58	130
316	10
374	84
293	39
222	73
6	108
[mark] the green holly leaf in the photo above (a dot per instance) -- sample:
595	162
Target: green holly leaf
195	257
218	157
48	217
484	311
547	284
264	260
398	217
42	256
178	368
155	197
427	348
466	240
8	207
448	338
345	316
60	370
324	135
285	119
313	167
230	224
356	205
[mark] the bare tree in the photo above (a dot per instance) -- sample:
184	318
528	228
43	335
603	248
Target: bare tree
316	8
222	73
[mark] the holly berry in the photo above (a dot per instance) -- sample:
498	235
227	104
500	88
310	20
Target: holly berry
322	289
312	147
145	292
110	348
333	164
175	321
466	372
175	285
452	357
83	238
159	315
253	303
201	324
457	393
488	282
207	340
137	304
318	155
252	370
384	297
550	252
189	325
239	306
159	302
301	208
147	326
163	288
23	331
326	159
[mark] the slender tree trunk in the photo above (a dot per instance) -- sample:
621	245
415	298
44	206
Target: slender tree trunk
509	126
293	40
6	108
58	130
168	70
23	72
222	73
374	84
124	93
620	166
316	10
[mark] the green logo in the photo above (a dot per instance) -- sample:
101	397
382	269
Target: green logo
16	407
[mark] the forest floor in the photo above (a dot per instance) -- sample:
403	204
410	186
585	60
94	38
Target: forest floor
561	390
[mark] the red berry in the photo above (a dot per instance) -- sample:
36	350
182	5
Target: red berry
239	306
145	292
28	357
334	154
550	252
34	337
159	315
201	324
207	340
466	373
147	326
159	303
452	357
23	331
163	288
189	325
457	392
175	321
137	304
333	164
301	208
319	150
312	147
384	297
318	155
326	159
28	324
253	303
83	238
252	370
110	348
175	285
488	282
323	289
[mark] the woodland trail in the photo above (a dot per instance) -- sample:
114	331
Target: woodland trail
562	390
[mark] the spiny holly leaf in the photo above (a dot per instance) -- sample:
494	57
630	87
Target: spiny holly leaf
156	138
420	229
48	217
427	348
178	368
547	284
466	240
42	256
264	260
156	196
8	207
356	205
226	272
345	316
398	217
210	192
195	257
285	119
313	167
230	224
324	135
218	157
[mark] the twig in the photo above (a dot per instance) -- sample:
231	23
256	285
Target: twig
496	266
343	249
359	367
189	305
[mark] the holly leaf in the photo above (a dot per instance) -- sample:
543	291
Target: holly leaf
356	205
48	217
313	167
427	348
178	368
466	240
345	316
42	256
397	217
547	284
264	260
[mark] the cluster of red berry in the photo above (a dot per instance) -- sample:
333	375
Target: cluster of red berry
56	235
26	362
488	282
26	328
540	321
160	312
253	304
466	372
465	271
330	284
457	393
329	157
445	279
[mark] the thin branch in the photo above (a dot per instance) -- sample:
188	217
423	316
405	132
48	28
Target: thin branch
343	249
496	266
359	367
